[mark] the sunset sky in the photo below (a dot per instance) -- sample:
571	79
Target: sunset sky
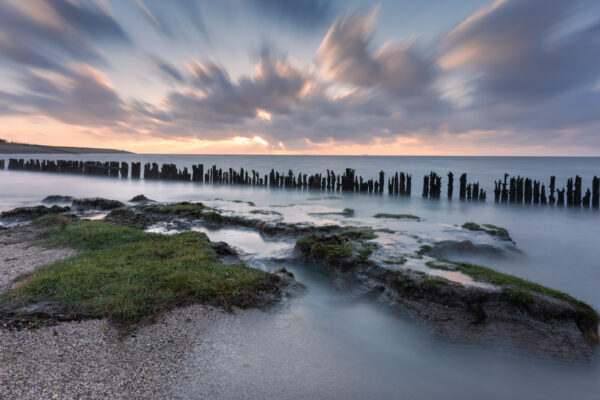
436	77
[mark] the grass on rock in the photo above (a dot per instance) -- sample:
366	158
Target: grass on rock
397	216
129	275
519	289
176	208
487	228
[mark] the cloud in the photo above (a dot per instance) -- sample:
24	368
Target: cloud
520	73
167	17
515	49
214	98
90	19
167	70
346	55
48	33
303	14
82	96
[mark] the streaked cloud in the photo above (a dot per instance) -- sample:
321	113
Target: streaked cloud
517	74
347	55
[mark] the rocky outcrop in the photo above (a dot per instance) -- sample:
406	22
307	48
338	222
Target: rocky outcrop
30	213
96	203
505	310
140	198
450	248
57	198
127	217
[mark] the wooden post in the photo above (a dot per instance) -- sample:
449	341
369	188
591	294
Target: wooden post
596	192
402	183
561	197
512	192
425	186
504	197
463	186
450	184
497	191
552	199
536	192
543	196
124	170
586	198
577	193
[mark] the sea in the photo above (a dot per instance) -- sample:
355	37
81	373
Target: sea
332	343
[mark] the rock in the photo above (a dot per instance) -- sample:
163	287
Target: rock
541	321
29	213
97	203
449	248
57	198
223	249
140	198
129	218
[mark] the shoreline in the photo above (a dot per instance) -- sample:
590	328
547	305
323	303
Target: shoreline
151	349
20	148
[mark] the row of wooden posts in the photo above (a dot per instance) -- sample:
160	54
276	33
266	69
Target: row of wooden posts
524	190
516	190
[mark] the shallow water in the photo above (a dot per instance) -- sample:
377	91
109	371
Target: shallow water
332	344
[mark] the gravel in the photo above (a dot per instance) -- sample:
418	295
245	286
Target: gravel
19	256
89	358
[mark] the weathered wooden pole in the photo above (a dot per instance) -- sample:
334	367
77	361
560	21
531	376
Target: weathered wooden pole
596	192
512	192
552	199
536	192
425	186
124	170
402	189
560	201
577	193
570	195
497	191
450	184
504	197
586	199
543	199
463	186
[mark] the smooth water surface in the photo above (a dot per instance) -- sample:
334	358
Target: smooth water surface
332	344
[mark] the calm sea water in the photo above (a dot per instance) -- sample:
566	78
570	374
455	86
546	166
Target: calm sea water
338	346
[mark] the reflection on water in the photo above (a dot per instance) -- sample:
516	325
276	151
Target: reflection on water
250	242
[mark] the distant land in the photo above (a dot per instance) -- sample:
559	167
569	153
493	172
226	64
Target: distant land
22	148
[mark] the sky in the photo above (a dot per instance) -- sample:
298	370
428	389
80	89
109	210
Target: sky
340	77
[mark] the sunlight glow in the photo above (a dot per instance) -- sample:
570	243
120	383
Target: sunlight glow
263	115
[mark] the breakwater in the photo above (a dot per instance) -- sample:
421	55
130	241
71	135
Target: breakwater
508	189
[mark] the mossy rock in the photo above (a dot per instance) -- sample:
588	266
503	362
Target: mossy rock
178	209
487	228
29	213
97	203
397	216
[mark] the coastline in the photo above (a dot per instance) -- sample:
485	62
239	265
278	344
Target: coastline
19	148
92	358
